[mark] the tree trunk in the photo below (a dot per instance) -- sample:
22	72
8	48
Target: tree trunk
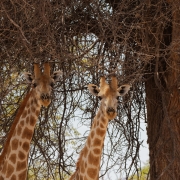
163	111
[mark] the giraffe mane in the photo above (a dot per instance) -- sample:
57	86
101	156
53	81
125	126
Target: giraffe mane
13	126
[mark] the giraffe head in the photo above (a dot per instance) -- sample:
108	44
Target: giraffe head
109	93
42	83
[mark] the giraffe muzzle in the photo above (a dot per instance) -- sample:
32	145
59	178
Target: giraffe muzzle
110	110
45	97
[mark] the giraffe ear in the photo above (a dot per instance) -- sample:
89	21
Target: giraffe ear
29	77
123	89
93	89
56	75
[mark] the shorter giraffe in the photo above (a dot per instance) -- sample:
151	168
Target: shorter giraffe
88	164
14	156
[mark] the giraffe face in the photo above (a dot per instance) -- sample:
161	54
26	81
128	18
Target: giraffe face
109	102
42	84
43	87
109	93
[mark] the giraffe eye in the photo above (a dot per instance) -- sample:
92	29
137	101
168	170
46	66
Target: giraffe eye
100	97
34	85
51	84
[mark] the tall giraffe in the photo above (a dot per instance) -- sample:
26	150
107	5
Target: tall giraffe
88	164
14	156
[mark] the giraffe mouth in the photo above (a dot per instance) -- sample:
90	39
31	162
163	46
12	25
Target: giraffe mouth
111	113
45	99
45	103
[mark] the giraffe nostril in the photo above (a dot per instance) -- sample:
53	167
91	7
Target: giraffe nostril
45	96
110	110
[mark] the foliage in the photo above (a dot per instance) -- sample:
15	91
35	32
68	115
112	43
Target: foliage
143	174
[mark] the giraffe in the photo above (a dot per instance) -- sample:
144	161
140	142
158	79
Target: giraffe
88	164
14	156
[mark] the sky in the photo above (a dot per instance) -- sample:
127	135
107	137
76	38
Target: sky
144	151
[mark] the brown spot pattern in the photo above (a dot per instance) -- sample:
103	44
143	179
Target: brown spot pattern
92	172
82	169
94	124
22	175
27	120
37	113
10	170
32	102
24	114
21	155
93	159
21	165
80	177
100	132
97	123
19	130
4	168
103	119
85	151
14	144
96	151
35	102
33	109
92	134
96	142
13	177
27	133
32	121
22	123
102	125
13	158
25	146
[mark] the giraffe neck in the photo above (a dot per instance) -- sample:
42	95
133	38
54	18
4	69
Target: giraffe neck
14	157
88	164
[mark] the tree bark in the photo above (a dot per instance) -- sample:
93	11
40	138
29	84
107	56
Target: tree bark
163	111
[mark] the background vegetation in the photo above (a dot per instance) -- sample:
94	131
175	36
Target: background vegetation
136	40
